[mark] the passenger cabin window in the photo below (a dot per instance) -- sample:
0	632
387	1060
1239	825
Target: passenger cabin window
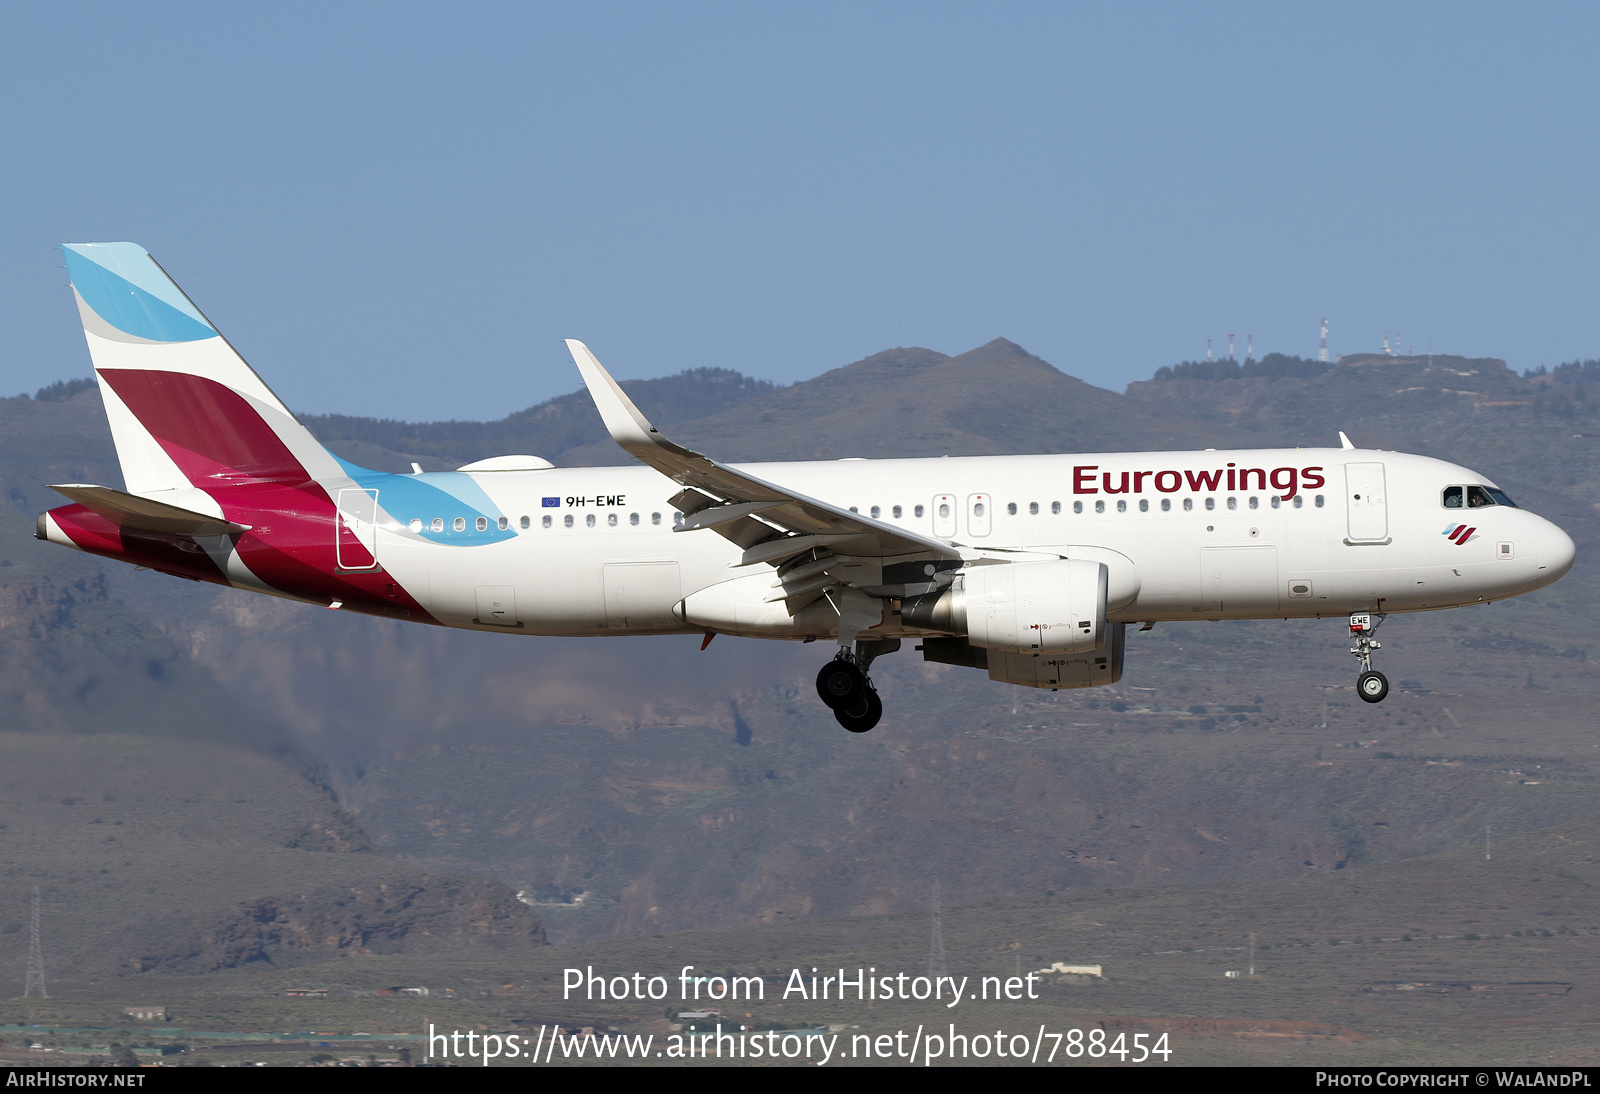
633	518
1033	508
1144	505
1055	508
459	524
1077	507
1211	503
545	521
1011	508
589	520
438	524
655	518
526	523
876	512
416	526
611	520
1166	505
1299	501
1319	501
1122	505
917	512
566	521
1188	504
483	524
1099	507
1255	503
504	523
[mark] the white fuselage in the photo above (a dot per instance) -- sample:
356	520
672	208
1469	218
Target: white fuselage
1360	531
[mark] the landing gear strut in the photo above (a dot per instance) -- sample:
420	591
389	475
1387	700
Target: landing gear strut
844	685
1371	685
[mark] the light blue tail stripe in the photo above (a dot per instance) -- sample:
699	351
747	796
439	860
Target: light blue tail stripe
125	287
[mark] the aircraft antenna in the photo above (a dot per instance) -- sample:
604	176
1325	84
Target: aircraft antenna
1323	356
35	953
936	965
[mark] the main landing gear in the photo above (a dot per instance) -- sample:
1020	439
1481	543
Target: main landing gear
1371	685
844	685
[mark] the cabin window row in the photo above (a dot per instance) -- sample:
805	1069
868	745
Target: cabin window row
1100	506
1297	502
590	520
613	520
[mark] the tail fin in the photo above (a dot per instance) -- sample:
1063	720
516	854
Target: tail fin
185	409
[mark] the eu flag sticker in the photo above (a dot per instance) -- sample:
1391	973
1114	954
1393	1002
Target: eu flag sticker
552	503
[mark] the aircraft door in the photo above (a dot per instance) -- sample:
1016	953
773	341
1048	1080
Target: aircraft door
641	595
1239	579
980	510
1366	502
356	530
944	516
497	605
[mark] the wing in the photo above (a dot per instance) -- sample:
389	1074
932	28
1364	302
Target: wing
772	523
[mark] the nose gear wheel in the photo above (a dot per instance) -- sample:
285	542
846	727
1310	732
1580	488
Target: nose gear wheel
1371	685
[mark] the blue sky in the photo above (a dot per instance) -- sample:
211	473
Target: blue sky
400	210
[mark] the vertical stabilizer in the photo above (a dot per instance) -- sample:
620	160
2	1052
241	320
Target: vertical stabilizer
185	410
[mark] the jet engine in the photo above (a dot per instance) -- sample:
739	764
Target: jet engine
1021	607
1038	624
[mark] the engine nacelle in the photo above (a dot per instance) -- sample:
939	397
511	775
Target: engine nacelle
1021	607
1036	670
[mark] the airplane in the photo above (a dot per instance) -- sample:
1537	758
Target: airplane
1030	567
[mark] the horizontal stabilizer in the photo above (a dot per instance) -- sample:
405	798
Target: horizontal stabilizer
141	514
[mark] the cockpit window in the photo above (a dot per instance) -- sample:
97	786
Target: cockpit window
1475	497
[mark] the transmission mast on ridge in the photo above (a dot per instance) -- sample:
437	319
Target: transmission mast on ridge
936	966
1323	356
1230	345
35	953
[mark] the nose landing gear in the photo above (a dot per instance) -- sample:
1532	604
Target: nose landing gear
1371	685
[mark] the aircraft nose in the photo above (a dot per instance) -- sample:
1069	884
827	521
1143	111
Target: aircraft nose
1556	553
